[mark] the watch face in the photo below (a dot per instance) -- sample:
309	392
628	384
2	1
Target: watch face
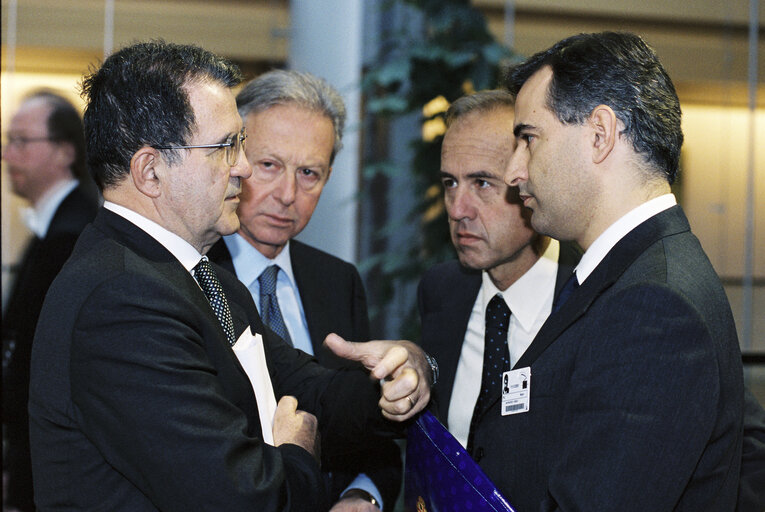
433	368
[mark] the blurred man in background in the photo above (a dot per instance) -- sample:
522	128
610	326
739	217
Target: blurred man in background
44	155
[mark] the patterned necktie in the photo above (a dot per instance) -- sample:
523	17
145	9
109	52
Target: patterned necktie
571	285
269	305
208	281
496	357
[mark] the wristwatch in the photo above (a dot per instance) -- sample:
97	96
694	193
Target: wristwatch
433	367
362	494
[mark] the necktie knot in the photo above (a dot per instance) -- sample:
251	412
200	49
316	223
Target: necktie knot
208	281
568	288
497	313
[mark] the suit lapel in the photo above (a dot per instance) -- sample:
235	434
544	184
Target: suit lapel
220	254
168	267
318	311
621	256
568	257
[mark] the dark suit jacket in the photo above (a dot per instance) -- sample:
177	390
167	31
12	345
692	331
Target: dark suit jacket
446	295
41	261
751	492
137	402
334	300
636	388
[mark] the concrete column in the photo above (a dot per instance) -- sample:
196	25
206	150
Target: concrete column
326	40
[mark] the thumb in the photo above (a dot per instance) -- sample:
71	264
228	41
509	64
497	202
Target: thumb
342	348
366	353
287	405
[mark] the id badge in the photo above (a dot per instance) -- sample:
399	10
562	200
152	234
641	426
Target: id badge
516	391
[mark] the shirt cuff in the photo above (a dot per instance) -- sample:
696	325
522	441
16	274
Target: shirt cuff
362	481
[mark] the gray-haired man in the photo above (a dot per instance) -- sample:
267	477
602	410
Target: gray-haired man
295	123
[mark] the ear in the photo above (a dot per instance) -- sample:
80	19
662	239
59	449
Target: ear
143	171
604	132
329	173
66	153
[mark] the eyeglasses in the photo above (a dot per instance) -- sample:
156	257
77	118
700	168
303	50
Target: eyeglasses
20	141
233	146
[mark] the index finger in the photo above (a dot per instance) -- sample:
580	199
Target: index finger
393	359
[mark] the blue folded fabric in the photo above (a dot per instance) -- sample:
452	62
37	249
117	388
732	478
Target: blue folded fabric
442	477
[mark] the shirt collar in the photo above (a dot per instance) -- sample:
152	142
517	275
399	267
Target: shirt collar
178	247
523	297
39	217
618	230
249	263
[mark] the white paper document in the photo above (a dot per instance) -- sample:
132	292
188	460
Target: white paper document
252	357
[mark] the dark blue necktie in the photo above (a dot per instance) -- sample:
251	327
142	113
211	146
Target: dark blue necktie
208	281
496	357
269	305
568	288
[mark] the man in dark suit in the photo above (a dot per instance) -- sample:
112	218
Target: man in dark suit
499	254
295	126
636	385
45	160
476	147
139	399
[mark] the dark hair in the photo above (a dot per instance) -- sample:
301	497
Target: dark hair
64	125
481	101
619	70
137	98
280	87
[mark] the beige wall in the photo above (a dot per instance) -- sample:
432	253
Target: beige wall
246	30
703	44
715	166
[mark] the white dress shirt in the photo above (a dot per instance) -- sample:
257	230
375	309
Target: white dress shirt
178	247
618	230
530	301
